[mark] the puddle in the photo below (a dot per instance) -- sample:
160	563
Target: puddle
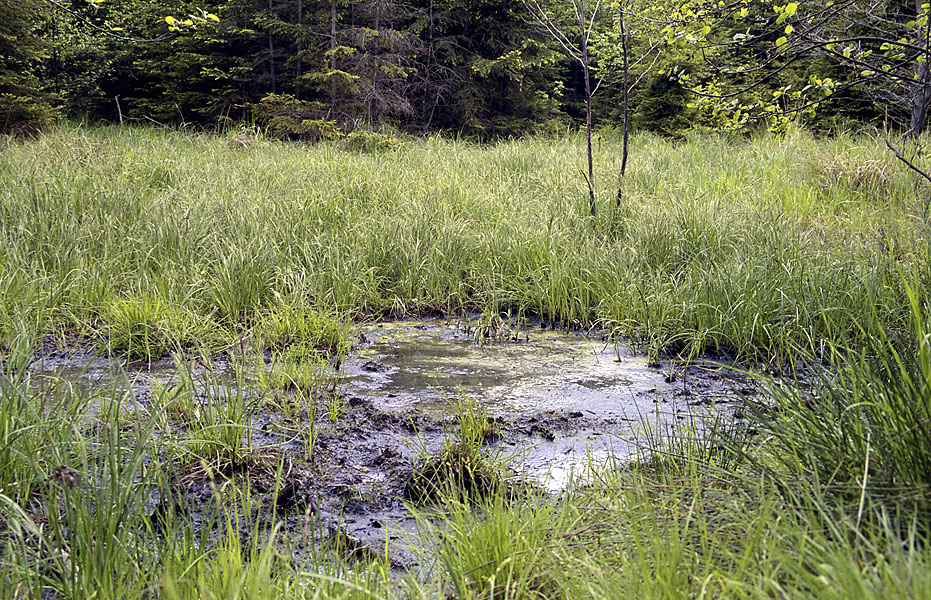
568	402
427	366
562	403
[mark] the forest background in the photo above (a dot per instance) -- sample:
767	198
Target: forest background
485	69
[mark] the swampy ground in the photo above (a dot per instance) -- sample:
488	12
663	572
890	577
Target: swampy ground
267	370
355	448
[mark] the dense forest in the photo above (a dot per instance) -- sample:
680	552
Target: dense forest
481	68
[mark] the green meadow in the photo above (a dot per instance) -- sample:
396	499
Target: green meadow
794	256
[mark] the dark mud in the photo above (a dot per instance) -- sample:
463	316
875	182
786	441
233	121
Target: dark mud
560	404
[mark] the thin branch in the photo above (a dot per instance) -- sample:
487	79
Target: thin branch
107	32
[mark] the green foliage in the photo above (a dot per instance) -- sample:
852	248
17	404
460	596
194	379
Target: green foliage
477	67
367	141
284	116
25	106
772	63
304	330
664	107
304	72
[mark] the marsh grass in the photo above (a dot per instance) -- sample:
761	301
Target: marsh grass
493	326
494	548
859	429
220	428
304	331
792	252
464	467
147	327
296	369
747	247
307	347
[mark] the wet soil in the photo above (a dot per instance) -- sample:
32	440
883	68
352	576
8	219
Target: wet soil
559	403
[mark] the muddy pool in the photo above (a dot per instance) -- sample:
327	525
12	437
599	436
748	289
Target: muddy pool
561	403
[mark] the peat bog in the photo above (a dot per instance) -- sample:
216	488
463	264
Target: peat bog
560	405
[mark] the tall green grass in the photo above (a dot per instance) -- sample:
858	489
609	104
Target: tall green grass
154	238
857	430
93	503
790	250
87	526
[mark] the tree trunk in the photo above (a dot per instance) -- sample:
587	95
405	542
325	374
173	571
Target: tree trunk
921	97
300	46
588	105
332	53
271	51
920	100
625	46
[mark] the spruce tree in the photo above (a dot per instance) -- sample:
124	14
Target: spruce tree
24	106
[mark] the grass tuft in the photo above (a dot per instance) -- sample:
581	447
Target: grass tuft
463	467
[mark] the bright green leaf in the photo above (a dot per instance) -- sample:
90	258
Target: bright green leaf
170	20
791	7
213	17
782	41
789	29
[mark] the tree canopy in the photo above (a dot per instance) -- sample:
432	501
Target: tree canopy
314	69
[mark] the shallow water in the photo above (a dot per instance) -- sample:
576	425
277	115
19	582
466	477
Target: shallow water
428	366
562	404
595	400
565	401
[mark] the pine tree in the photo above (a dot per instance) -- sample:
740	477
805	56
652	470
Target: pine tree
24	106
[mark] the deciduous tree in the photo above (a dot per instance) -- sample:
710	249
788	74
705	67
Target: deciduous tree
882	47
